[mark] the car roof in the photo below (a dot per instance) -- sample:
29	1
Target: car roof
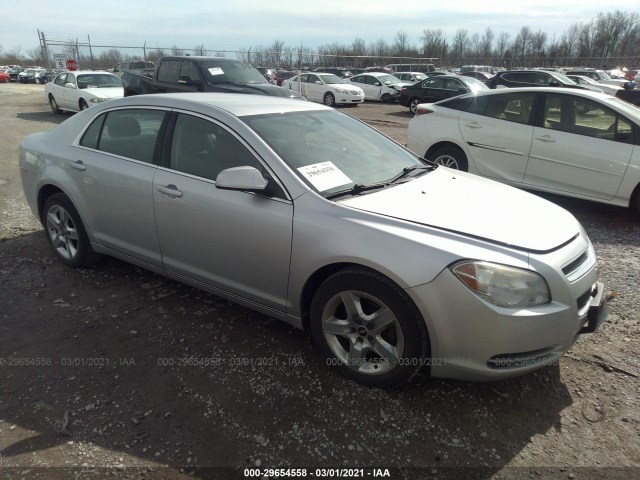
564	91
375	74
237	104
92	72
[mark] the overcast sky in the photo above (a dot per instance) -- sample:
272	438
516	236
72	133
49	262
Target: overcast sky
241	24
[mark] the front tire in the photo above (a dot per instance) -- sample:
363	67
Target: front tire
368	328
329	100
54	104
66	233
450	157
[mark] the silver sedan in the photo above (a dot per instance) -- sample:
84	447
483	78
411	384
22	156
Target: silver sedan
305	214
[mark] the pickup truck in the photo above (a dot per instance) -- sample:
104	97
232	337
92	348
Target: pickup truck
202	74
137	66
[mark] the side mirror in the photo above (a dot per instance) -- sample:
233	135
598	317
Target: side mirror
69	85
553	83
318	82
241	178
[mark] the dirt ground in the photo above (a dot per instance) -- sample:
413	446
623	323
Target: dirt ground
115	372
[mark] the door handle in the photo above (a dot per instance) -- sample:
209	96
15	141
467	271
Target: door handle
546	138
78	165
473	125
169	190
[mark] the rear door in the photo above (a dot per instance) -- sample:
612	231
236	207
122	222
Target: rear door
498	132
583	147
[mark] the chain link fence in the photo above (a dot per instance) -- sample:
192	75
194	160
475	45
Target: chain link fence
87	55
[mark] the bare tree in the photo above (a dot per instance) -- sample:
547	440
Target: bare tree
275	53
434	42
486	44
522	43
501	44
401	43
538	43
460	43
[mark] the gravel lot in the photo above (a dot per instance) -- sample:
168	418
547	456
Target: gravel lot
116	372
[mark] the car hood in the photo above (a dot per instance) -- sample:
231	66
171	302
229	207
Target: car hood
464	203
256	88
345	86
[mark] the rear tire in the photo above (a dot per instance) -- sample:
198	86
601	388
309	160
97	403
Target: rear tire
66	233
368	328
450	157
413	104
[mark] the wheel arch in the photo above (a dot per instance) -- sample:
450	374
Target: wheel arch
45	192
445	144
319	276
634	200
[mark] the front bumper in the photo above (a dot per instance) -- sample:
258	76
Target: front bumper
474	340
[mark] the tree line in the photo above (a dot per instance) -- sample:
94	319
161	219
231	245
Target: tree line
609	40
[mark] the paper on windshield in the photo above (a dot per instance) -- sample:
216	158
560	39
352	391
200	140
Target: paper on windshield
216	71
324	175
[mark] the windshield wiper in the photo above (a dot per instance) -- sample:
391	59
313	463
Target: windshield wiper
355	190
406	171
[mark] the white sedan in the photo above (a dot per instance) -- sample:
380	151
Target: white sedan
379	86
591	84
75	91
326	88
561	140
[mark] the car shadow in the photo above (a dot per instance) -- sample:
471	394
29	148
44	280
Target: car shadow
44	117
141	366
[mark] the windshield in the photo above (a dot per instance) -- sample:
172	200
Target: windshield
331	79
221	71
473	84
388	79
332	151
98	81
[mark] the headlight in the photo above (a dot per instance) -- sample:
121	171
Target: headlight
98	100
341	90
503	286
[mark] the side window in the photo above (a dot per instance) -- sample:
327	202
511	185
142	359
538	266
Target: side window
203	148
128	133
512	107
435	83
71	78
61	79
169	71
453	84
583	116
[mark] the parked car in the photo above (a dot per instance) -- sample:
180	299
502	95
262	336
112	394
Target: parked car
79	90
410	77
601	76
530	78
484	77
340	72
591	84
33	75
311	216
14	71
438	88
379	86
268	73
477	68
631	73
137	66
5	77
282	75
326	88
570	142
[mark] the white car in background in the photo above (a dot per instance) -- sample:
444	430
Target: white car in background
326	88
379	86
591	84
565	141
76	91
411	77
